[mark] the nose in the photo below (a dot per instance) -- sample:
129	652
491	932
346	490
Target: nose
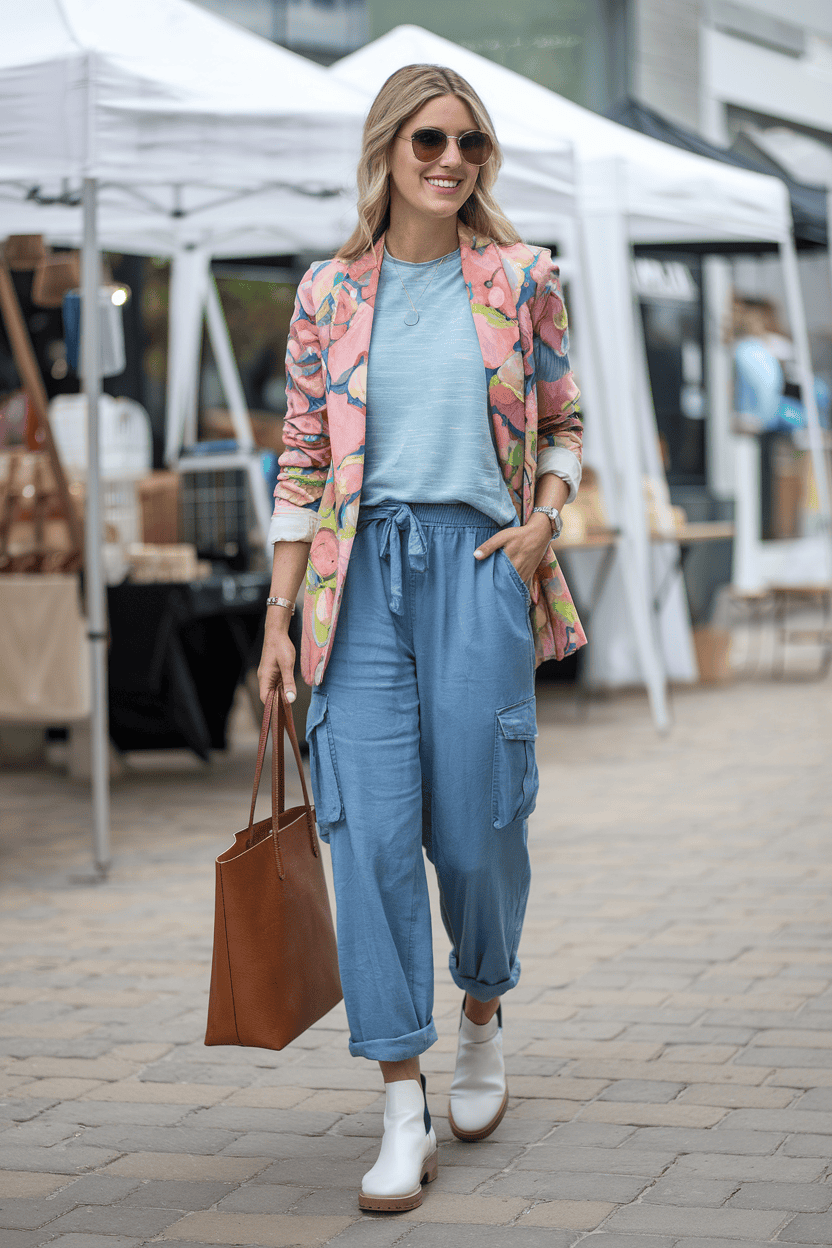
452	157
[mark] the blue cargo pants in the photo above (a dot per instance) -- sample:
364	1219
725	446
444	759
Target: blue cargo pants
422	733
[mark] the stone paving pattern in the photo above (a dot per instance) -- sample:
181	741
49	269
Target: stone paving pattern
669	1045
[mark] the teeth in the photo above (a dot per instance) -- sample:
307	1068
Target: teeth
441	182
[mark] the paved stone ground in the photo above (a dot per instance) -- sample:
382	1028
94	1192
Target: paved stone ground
669	1044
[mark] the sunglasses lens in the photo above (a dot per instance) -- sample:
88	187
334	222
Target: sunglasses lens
475	147
428	144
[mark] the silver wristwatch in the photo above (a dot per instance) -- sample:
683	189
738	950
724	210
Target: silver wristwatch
555	518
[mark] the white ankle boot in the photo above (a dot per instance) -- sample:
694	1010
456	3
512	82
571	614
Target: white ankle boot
479	1094
408	1151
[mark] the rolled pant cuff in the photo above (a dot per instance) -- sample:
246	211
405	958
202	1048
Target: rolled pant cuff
398	1049
483	992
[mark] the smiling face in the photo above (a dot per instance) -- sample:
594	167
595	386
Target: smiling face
438	190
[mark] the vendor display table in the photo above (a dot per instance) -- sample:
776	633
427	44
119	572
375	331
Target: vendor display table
685	537
606	540
177	653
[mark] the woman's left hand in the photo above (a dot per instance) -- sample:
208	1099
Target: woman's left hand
524	545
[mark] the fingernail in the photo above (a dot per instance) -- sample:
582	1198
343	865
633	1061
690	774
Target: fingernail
478	554
290	697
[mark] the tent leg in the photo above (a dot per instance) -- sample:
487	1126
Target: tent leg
227	367
93	574
797	320
604	253
829	229
236	399
674	636
188	270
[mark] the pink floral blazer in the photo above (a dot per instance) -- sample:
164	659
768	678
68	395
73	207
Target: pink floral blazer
516	302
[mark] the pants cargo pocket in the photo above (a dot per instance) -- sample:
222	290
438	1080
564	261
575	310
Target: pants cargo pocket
514	787
326	789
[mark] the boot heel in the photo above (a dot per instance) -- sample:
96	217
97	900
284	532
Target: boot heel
431	1169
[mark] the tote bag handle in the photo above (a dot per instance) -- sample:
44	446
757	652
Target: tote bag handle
286	723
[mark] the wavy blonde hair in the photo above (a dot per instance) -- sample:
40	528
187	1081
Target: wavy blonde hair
402	95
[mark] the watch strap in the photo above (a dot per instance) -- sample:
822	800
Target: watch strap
554	518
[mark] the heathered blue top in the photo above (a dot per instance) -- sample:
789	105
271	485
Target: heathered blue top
429	436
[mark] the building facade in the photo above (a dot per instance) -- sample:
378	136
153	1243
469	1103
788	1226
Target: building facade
322	30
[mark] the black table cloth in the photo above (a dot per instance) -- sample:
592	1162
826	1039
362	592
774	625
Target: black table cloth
177	653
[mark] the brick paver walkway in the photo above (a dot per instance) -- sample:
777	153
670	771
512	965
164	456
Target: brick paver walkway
669	1046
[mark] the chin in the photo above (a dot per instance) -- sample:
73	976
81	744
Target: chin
444	207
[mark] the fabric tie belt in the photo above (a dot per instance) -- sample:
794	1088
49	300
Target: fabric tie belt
398	520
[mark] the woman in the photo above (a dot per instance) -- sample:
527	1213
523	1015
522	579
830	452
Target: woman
432	438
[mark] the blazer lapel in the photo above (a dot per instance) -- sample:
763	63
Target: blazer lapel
495	320
346	361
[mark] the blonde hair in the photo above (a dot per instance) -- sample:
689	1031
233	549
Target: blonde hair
402	95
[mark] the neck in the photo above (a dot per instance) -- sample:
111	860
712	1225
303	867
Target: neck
417	241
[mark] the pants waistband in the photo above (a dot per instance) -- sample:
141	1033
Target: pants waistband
448	515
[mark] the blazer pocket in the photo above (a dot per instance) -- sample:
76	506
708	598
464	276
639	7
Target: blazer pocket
514	785
326	788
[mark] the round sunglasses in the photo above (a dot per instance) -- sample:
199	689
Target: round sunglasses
429	144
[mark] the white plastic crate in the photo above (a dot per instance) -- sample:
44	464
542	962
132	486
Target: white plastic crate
125	441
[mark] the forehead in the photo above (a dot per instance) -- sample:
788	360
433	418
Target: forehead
447	112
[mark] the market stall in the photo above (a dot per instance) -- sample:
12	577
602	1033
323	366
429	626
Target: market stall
146	123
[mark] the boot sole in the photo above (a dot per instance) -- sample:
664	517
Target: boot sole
398	1204
471	1137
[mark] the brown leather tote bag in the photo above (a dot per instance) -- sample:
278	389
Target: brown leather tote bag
275	967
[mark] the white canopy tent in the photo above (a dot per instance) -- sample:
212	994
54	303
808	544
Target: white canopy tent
175	112
629	189
208	141
150	119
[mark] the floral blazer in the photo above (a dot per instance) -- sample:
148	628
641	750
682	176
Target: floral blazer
516	303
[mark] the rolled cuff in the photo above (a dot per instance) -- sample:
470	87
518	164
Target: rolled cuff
479	991
293	524
564	464
398	1049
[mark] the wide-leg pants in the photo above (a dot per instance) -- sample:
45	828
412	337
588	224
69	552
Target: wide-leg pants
422	733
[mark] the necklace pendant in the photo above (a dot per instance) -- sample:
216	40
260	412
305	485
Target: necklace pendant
411	317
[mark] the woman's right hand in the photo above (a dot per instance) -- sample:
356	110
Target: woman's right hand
276	661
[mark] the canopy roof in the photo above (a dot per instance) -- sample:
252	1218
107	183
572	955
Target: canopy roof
666	194
179	114
808	201
799	154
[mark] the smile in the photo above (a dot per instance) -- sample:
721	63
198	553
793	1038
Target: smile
444	182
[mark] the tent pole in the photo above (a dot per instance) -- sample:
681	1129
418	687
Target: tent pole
605	256
674	628
829	229
800	334
93	574
227	366
186	306
235	397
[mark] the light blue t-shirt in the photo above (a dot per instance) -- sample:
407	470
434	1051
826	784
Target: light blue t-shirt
429	437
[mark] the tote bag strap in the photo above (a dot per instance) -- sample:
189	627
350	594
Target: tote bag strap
285	723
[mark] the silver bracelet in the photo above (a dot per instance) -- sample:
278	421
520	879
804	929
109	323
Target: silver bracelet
281	602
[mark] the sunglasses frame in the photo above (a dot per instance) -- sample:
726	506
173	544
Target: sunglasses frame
459	137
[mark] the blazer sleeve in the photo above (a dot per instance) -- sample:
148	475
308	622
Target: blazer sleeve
305	461
559	422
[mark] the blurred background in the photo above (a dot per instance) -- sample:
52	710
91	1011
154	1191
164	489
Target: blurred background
707	409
